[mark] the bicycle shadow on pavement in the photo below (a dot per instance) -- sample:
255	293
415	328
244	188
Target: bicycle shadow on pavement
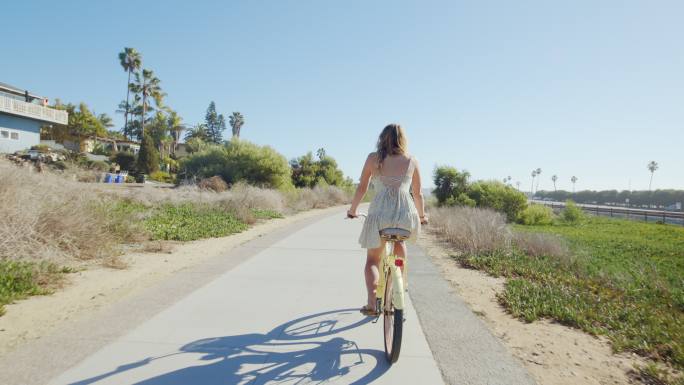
301	351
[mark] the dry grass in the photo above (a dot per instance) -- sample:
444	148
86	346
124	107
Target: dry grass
158	246
479	231
47	217
317	198
471	230
50	216
539	244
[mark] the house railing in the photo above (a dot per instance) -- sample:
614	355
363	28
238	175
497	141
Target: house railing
33	111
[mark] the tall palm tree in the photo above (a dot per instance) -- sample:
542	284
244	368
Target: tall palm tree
554	178
539	170
131	61
236	122
652	167
148	86
534	175
573	180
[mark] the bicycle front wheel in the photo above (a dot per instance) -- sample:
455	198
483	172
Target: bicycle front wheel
393	322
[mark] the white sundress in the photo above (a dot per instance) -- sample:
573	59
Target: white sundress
392	206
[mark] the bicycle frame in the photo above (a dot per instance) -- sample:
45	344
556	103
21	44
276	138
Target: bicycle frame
389	262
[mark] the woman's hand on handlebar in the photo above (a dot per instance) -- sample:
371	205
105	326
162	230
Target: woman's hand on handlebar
424	219
352	214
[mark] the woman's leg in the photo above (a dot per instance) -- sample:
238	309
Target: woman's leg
372	273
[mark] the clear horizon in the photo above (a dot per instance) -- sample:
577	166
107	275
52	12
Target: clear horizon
594	90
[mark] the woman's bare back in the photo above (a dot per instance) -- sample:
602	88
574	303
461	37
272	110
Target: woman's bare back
393	165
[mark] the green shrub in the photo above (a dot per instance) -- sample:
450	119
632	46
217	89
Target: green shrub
499	197
162	176
536	215
125	160
239	161
148	158
572	213
309	172
461	200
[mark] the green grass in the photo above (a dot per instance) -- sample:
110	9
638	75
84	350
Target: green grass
624	280
22	279
189	222
266	214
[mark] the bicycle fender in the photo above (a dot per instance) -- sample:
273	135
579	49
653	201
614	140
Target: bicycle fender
397	288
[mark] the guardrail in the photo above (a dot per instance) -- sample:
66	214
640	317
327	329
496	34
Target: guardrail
671	217
33	111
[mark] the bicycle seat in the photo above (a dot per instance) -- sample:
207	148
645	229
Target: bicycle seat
394	234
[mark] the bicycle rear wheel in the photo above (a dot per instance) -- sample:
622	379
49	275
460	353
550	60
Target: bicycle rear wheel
393	322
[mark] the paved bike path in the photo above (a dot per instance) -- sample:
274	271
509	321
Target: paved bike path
286	315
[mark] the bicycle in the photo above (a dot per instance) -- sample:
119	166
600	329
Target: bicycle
390	291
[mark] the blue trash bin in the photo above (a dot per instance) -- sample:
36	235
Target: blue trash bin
119	178
108	178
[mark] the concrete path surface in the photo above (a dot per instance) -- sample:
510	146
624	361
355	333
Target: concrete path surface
282	309
287	315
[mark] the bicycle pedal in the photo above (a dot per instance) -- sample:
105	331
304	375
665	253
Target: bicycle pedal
375	320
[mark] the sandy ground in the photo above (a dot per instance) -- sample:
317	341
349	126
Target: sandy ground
96	286
554	354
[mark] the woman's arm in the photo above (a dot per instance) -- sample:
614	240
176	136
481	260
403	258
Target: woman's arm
418	194
362	188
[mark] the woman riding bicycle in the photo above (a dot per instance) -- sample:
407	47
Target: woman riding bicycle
396	178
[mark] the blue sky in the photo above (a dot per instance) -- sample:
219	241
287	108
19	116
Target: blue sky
587	88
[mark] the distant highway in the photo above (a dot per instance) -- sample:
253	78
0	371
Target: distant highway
649	215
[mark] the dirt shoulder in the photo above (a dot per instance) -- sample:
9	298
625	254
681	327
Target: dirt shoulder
553	354
96	286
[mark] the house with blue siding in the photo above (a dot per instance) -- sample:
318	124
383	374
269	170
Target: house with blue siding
22	114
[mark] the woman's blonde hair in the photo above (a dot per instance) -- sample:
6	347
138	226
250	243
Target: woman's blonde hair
392	141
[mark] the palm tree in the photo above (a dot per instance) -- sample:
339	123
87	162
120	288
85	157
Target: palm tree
106	122
199	131
554	178
652	167
236	122
148	86
130	60
534	175
538	179
175	124
573	180
320	153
